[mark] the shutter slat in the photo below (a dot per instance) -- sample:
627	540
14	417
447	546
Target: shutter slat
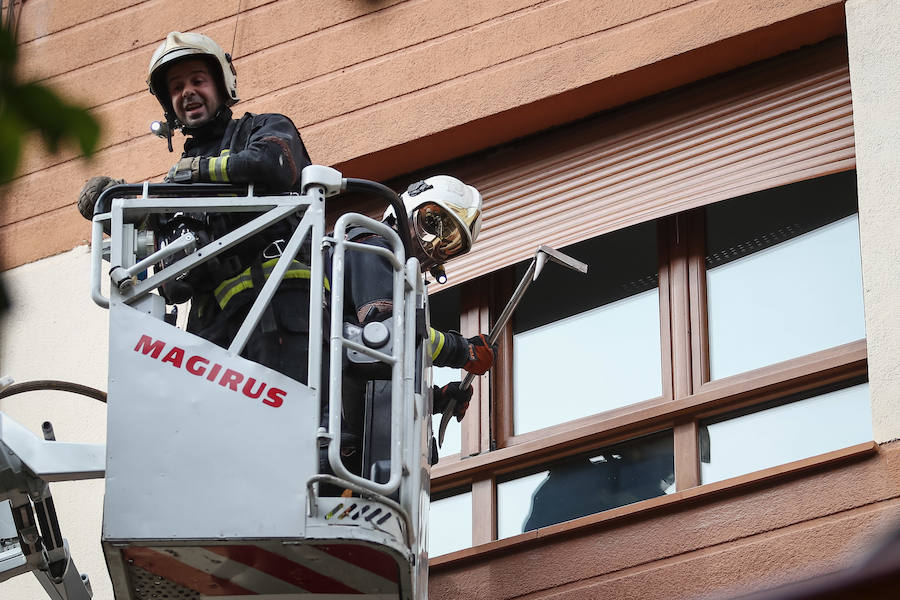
820	88
681	170
575	229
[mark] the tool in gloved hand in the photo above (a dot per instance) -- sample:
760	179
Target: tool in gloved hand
452	392
481	355
541	256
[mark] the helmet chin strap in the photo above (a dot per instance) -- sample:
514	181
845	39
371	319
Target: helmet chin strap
165	129
170	126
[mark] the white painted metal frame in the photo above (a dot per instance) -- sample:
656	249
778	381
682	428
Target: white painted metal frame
402	355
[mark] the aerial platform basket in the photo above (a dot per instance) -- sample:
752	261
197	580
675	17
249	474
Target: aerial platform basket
212	461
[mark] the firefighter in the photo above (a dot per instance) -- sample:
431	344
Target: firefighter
444	218
195	83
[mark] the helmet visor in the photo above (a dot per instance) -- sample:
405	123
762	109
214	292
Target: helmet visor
438	233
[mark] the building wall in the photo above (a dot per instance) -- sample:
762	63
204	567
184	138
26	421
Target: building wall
765	530
54	331
873	32
380	88
717	542
376	88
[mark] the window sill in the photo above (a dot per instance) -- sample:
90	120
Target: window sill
835	364
669	502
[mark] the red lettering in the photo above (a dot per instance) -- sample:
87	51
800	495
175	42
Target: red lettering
275	397
148	346
214	371
248	388
231	379
200	366
192	367
175	356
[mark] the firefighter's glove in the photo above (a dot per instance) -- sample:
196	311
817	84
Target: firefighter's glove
186	170
480	355
451	391
91	191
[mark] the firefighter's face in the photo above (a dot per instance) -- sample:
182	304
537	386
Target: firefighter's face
193	91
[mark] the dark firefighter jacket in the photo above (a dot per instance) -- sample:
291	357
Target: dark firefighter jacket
368	294
266	150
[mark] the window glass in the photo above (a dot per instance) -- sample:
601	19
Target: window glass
450	524
441	376
783	274
589	483
811	424
444	313
584	344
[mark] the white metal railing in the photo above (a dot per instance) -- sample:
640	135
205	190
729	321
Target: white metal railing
401	357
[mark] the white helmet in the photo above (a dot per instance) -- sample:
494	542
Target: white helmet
179	45
444	218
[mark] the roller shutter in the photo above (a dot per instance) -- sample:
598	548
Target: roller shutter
775	123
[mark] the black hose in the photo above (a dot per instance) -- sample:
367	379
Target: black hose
51	384
373	187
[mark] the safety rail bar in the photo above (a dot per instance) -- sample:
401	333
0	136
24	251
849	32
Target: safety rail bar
194	198
164	198
401	361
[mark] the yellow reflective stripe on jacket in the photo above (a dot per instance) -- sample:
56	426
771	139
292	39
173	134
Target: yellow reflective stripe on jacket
435	347
226	290
218	167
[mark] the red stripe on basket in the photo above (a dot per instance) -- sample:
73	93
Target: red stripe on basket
283	568
367	558
169	568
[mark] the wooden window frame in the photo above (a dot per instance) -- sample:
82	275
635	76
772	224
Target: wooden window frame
492	451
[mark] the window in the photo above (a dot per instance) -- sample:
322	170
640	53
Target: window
444	312
584	344
450	523
585	484
783	275
808	424
700	340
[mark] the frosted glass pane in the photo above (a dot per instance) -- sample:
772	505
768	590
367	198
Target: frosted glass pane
589	483
514	502
791	299
441	376
600	359
450	524
788	432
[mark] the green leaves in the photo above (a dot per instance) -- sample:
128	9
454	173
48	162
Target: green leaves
28	107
